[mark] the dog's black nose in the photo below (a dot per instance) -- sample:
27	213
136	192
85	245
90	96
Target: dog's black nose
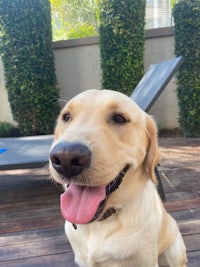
70	159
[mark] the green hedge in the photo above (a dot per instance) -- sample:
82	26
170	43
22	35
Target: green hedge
187	43
26	48
8	130
122	43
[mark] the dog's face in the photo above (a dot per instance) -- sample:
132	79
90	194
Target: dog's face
105	148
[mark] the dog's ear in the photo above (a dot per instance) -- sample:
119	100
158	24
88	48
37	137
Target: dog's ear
153	154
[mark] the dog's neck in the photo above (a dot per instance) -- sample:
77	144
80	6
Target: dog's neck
109	212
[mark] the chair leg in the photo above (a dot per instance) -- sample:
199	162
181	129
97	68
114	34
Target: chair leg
160	187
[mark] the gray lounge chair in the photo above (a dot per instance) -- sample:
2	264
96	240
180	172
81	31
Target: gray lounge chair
24	152
33	152
154	81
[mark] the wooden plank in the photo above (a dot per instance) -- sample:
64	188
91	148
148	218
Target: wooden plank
183	205
42	202
24	178
193	259
177	142
37	223
24	237
26	194
186	215
57	260
190	227
29	214
176	196
192	242
179	180
30	250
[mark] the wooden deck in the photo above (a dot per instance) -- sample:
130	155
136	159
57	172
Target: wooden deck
31	227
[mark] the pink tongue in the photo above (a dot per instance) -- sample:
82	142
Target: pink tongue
80	203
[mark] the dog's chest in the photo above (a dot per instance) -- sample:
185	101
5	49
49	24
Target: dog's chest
95	247
87	246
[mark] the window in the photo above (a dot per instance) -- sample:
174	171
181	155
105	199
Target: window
158	14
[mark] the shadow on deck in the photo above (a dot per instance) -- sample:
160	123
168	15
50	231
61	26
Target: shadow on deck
31	227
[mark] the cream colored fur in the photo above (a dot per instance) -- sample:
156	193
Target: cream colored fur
141	233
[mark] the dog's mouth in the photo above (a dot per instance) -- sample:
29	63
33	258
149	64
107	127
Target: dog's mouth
84	204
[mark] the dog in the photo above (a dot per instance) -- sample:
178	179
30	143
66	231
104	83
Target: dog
104	152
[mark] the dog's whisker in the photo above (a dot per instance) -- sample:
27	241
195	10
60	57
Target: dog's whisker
64	97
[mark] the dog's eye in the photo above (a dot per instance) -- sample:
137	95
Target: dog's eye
66	117
119	119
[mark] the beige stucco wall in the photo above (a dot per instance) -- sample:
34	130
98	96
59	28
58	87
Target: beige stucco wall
157	49
5	111
78	68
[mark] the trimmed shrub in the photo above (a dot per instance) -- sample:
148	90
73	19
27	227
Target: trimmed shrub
8	130
122	43
27	54
187	43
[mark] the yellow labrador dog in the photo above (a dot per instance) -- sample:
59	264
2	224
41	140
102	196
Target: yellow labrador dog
105	151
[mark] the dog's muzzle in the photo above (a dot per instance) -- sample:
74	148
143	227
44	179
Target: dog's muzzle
82	204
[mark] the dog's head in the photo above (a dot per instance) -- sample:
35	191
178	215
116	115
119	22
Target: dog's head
104	150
